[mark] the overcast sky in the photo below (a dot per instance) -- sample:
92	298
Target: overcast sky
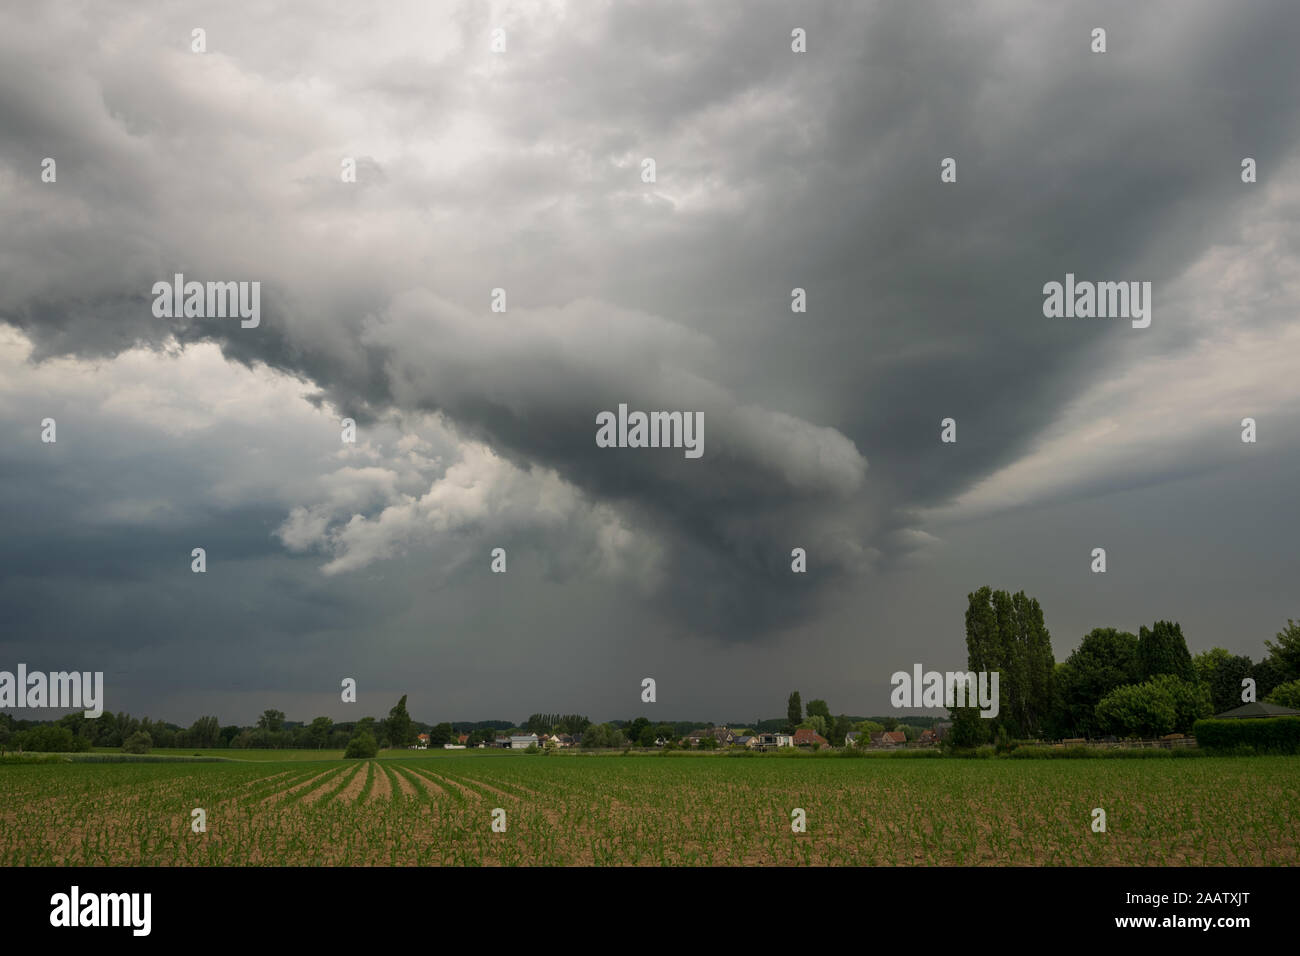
522	170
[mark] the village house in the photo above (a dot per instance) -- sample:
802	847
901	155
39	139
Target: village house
773	741
807	737
421	742
722	735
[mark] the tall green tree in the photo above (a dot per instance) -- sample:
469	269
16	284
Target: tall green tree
635	729
1106	658
1006	633
1285	654
794	712
271	720
1162	649
442	733
398	728
1222	672
318	734
840	729
205	732
819	708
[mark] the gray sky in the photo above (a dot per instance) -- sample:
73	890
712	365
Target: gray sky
522	170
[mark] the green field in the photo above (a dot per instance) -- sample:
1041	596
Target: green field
436	809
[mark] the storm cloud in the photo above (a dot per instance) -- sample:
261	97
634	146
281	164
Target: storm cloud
522	171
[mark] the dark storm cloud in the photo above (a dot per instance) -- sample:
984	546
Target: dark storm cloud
775	170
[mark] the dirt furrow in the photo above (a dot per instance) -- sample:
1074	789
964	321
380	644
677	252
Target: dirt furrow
408	789
430	787
466	791
277	797
354	786
330	785
382	789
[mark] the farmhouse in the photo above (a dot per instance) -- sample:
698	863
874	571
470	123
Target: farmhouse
523	741
807	737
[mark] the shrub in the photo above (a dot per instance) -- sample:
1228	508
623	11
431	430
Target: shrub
362	745
1286	695
49	738
138	743
1154	708
1276	735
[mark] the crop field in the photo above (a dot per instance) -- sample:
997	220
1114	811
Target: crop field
438	810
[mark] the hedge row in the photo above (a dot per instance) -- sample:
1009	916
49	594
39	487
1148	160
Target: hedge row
1277	735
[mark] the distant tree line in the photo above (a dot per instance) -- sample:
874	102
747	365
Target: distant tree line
1114	683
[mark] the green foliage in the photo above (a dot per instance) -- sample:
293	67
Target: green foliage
793	711
1163	650
271	720
1006	633
647	736
1136	710
556	724
1272	735
1268	676
819	708
1105	659
138	743
634	730
48	738
1191	701
398	728
604	736
1222	673
1285	654
442	733
968	729
840	729
318	734
362	745
204	732
1154	708
1286	695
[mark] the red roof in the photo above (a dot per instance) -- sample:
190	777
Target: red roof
897	736
808	736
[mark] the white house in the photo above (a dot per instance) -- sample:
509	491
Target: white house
523	741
